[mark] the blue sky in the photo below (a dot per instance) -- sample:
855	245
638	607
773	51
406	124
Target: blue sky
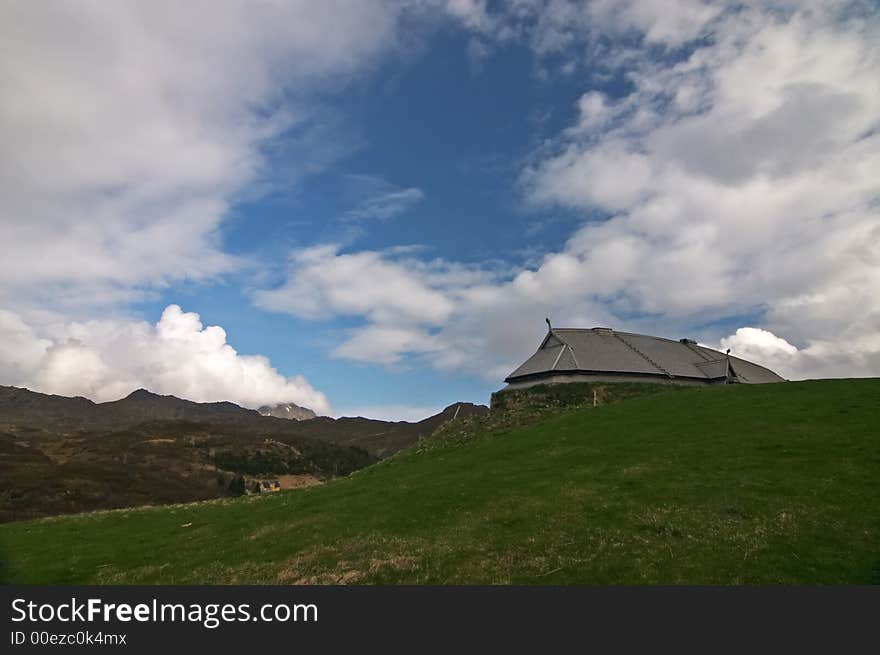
378	203
436	123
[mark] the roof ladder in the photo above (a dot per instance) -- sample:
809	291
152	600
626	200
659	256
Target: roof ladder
698	352
642	355
559	356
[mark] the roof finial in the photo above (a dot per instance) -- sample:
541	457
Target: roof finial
549	327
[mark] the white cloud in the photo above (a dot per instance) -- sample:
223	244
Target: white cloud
449	316
377	199
740	176
20	348
386	344
760	346
130	128
324	283
108	359
387	205
472	13
740	179
594	34
668	22
859	357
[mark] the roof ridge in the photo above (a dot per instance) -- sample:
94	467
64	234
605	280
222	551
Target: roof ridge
613	331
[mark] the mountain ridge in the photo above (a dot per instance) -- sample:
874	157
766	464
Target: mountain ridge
60	454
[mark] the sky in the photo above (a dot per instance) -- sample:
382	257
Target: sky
369	208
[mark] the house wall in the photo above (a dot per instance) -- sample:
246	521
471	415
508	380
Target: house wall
563	378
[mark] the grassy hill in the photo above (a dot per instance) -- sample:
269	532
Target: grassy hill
740	484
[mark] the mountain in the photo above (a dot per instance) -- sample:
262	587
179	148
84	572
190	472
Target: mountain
384	438
736	484
25	409
289	411
24	403
22	406
62	455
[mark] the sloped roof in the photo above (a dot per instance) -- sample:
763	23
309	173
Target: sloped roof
602	350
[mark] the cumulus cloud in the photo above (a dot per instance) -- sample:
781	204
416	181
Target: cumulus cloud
20	348
762	347
411	307
740	176
758	191
108	359
857	357
386	343
324	282
130	128
446	315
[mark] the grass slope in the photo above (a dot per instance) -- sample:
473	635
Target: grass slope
741	484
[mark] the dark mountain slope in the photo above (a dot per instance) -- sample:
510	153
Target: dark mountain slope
62	455
22	406
24	409
383	438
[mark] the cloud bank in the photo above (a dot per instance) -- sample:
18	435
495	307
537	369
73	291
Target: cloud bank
129	129
739	177
108	359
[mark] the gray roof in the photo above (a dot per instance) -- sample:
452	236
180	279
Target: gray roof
602	350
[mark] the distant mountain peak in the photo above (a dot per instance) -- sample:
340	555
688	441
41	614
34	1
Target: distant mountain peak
141	394
288	411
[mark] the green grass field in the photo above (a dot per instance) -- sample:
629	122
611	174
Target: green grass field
739	484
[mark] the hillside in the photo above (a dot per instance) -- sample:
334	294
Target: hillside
64	455
23	410
735	484
383	438
153	463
